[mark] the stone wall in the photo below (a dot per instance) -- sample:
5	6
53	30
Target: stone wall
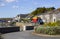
24	25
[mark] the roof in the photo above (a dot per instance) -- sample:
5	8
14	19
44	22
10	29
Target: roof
23	15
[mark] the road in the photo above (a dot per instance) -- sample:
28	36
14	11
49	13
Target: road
25	35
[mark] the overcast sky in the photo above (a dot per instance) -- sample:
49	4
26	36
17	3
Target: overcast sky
10	8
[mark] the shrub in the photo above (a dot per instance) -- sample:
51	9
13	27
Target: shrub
12	23
58	23
51	24
48	30
39	30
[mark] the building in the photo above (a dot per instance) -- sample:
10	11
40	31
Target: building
51	16
19	17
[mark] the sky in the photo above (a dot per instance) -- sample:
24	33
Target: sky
11	8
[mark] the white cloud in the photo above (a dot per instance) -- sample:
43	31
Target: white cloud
14	6
2	4
10	1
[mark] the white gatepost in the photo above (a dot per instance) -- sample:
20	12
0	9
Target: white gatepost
24	28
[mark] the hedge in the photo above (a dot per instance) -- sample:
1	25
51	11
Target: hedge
48	30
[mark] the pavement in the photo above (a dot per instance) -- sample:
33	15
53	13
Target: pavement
25	35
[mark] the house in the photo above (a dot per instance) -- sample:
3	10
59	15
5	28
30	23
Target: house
51	16
29	16
16	19
19	17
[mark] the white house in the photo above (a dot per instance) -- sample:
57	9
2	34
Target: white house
19	17
51	16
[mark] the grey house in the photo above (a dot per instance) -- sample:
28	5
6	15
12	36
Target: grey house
19	17
51	16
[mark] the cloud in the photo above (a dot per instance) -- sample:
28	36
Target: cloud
15	7
2	4
10	1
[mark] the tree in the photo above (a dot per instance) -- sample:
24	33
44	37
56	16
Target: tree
50	9
42	10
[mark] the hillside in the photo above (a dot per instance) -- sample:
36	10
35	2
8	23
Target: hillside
41	10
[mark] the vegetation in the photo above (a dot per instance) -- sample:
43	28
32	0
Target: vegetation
58	23
6	19
42	10
52	24
12	23
51	28
48	30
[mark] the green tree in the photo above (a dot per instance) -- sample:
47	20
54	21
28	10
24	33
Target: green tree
42	10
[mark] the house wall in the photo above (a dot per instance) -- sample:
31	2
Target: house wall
48	17
58	16
54	18
16	18
44	17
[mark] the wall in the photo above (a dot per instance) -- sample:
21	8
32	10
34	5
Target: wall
54	18
58	16
45	17
51	17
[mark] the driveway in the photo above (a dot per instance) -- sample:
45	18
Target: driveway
25	35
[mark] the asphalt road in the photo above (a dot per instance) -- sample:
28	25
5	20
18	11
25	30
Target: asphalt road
25	35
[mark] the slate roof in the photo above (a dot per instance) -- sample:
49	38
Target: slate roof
23	15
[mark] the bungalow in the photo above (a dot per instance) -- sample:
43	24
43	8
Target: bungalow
19	17
51	16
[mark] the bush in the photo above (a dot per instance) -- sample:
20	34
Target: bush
12	23
51	24
39	30
48	30
58	23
